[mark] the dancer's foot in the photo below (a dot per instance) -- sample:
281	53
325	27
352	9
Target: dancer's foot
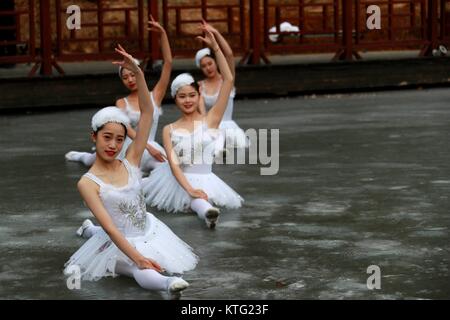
72	156
175	286
211	217
86	224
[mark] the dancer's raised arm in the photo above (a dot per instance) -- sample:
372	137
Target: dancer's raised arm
139	144
160	88
224	46
215	115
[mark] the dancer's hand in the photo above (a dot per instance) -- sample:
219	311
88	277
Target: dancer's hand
128	61
198	193
154	25
155	153
209	27
209	38
146	263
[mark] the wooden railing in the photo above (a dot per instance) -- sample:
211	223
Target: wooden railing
255	28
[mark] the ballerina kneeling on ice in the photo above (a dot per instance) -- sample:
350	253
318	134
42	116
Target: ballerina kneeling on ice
130	241
187	181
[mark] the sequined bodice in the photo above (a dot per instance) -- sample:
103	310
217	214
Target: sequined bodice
196	148
125	205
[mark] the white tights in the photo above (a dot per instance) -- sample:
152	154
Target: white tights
200	206
90	231
148	279
84	157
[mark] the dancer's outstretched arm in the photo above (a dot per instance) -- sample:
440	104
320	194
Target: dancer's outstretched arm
175	167
137	147
224	46
159	91
215	114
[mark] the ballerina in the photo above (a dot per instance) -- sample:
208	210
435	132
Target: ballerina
232	135
154	154
183	183
130	241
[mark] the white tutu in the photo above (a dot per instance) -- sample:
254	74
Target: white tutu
234	136
98	256
148	162
163	191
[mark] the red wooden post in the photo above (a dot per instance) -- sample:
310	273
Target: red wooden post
443	18
46	39
58	29
32	30
100	25
165	10
336	22
423	19
244	43
204	11
347	52
141	26
347	26
358	19
255	32
153	40
432	29
255	53
301	18
390	20
433	21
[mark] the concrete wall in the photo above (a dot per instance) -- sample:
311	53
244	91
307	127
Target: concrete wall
92	91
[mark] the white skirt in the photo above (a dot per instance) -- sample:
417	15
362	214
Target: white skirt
148	162
234	136
98	256
163	191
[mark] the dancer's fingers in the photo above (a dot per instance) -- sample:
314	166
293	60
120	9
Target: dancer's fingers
201	39
123	53
157	266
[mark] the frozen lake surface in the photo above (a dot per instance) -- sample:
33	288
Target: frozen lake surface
364	180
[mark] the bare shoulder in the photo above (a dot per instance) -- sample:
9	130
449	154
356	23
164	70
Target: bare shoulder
86	184
167	128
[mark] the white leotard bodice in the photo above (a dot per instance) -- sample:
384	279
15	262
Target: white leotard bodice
195	150
135	116
210	100
125	205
